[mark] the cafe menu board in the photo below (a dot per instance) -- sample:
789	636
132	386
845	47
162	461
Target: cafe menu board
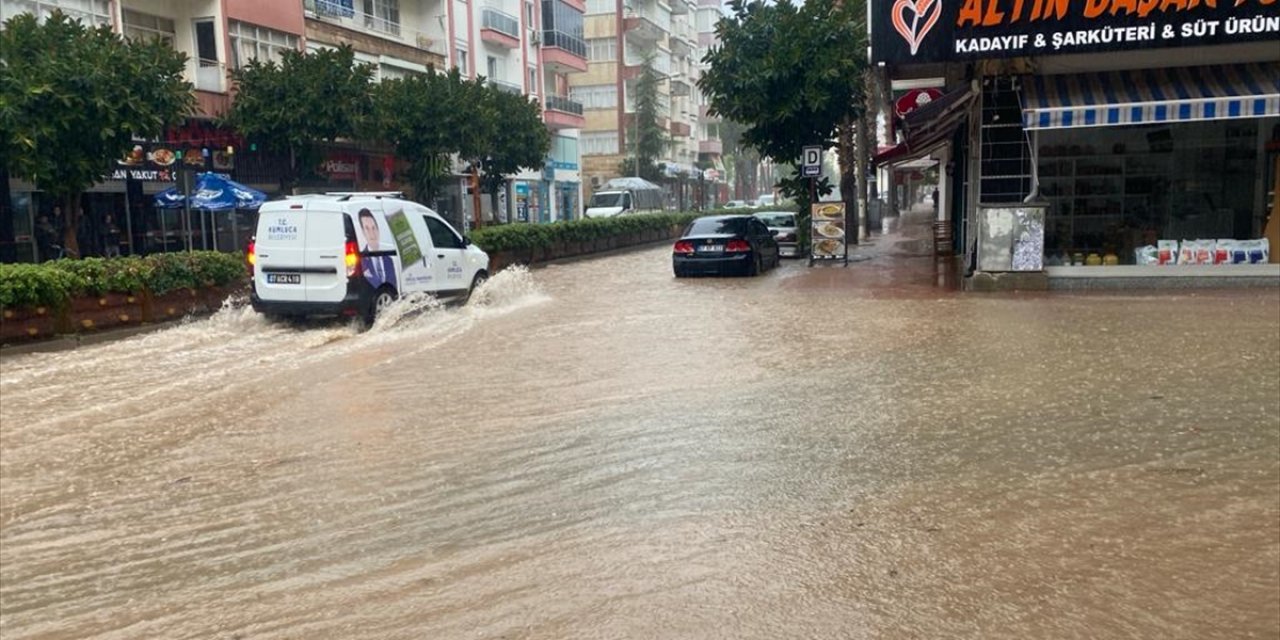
827	236
159	162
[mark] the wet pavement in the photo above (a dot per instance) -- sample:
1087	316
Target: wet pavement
598	450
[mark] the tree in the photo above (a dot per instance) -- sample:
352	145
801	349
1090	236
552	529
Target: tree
72	98
650	140
793	76
427	119
520	139
306	98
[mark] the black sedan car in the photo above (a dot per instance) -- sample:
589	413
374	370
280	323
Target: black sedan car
725	245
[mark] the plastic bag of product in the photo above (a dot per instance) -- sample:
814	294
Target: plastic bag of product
1239	252
1204	251
1187	252
1258	251
1167	251
1146	255
1222	251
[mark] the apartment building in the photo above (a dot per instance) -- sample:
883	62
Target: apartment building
710	146
620	36
529	47
216	35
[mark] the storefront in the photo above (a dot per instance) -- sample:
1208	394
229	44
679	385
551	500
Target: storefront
1173	142
119	215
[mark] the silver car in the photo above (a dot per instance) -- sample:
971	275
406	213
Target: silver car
783	226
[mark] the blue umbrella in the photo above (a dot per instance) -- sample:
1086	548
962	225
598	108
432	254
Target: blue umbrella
213	193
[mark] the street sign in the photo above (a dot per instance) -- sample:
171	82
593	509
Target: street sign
812	162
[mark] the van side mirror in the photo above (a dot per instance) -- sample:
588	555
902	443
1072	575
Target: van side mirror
466	241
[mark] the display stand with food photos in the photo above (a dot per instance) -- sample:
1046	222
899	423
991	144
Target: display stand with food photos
826	236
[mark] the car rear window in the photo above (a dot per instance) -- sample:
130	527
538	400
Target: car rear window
716	226
777	219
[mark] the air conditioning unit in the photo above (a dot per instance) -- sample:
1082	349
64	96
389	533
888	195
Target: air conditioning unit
535	38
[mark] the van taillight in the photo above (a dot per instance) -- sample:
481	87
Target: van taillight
251	256
353	260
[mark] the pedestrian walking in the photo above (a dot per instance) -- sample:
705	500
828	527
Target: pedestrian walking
935	198
110	237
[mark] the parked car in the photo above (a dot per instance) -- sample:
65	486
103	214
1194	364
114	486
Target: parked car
725	245
783	226
735	204
352	254
766	200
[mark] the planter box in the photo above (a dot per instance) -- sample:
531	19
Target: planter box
91	313
19	325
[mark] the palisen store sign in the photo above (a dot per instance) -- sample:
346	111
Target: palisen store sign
906	31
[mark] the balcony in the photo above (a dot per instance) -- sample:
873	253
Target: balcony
563	53
679	7
681	47
509	87
680	130
680	87
643	28
498	28
563	113
711	147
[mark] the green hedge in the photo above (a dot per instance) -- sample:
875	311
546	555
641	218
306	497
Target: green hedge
52	284
519	237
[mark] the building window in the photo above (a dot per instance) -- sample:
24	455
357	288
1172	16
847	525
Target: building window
564	150
562	27
600	96
528	15
533	81
251	42
91	12
463	65
599	143
602	49
144	26
596	7
382	15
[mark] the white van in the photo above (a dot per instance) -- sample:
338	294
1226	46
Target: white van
352	254
624	196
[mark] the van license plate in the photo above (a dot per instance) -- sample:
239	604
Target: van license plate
284	278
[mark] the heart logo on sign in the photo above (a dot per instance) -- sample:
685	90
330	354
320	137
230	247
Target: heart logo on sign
924	15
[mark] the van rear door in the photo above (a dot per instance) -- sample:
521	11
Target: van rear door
328	230
280	253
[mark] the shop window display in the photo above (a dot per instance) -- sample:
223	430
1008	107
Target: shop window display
1113	191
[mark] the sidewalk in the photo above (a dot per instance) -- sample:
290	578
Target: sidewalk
897	262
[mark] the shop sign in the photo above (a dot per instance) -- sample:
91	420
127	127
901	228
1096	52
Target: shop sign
914	99
341	167
827	235
910	31
146	162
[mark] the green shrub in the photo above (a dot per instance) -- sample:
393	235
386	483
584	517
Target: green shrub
173	271
33	285
523	237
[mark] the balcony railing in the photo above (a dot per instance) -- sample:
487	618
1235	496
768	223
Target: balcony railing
210	75
504	23
561	103
562	40
509	87
345	14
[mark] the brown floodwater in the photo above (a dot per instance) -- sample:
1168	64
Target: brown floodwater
597	450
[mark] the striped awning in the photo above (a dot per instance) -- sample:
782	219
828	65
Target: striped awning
1147	96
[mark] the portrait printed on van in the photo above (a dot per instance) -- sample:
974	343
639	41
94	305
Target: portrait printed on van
378	269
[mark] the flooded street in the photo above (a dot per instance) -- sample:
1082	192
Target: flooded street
598	450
